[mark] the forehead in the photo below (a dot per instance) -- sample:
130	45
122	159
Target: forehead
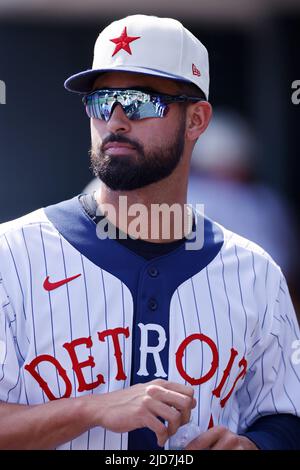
130	79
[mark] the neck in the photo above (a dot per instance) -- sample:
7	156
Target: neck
145	212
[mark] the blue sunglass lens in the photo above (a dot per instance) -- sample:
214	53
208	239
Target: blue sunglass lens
136	105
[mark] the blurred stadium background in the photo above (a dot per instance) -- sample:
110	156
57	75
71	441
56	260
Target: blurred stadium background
44	134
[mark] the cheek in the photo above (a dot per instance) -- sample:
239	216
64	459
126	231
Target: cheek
96	131
168	126
162	132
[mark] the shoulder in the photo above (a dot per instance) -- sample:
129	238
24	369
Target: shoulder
27	236
32	219
250	258
14	233
232	239
15	237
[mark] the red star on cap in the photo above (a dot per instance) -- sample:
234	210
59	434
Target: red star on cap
123	42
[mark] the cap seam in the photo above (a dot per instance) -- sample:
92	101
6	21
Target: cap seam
181	52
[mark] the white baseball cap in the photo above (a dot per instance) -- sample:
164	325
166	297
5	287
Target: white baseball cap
150	45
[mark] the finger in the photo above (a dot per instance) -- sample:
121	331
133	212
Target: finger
207	439
180	388
176	387
168	413
182	403
229	441
158	428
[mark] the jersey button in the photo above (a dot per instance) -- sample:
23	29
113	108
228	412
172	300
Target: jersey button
152	304
153	271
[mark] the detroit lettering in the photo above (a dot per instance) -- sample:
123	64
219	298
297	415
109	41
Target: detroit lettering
115	334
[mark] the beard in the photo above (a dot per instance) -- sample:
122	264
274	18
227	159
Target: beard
129	172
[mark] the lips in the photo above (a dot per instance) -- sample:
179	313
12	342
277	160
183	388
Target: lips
118	148
117	145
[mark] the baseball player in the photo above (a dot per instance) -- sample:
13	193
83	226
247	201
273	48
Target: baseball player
116	342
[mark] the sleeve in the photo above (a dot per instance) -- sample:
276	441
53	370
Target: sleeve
10	383
275	432
272	382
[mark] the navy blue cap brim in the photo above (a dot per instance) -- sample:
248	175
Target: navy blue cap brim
83	82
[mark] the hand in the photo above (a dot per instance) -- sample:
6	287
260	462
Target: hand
140	406
220	438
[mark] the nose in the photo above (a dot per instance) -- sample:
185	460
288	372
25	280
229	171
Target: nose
118	121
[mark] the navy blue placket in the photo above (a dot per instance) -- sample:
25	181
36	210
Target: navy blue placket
152	284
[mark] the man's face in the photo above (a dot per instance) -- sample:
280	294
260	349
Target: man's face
127	154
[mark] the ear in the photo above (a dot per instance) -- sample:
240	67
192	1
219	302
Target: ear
198	117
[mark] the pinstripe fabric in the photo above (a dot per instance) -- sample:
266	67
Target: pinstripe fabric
229	326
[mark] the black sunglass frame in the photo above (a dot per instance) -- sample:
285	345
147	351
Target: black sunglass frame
166	98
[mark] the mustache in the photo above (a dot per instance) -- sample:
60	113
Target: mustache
122	139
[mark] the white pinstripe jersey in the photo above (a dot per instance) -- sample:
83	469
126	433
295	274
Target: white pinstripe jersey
79	315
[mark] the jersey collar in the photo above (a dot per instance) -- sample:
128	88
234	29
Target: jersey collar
75	226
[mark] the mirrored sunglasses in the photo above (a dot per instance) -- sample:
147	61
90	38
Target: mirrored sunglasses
137	104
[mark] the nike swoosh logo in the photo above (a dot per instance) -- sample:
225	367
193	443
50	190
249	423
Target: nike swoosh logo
49	286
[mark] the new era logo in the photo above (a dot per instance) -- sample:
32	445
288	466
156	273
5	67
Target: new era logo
195	70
